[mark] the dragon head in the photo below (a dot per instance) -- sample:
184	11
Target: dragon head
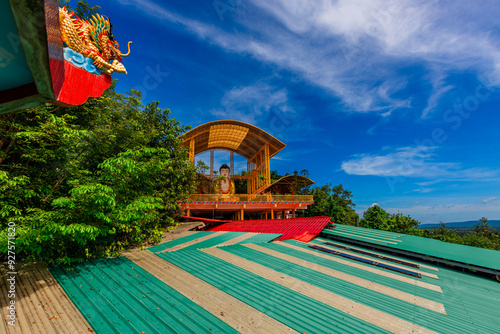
101	32
114	50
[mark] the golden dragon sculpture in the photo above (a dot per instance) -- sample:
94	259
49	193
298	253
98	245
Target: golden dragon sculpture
93	39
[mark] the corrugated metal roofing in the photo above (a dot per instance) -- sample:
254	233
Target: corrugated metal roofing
304	228
481	257
229	275
118	296
281	303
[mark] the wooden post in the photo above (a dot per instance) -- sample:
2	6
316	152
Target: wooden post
293	213
212	157
191	151
232	164
272	213
242	212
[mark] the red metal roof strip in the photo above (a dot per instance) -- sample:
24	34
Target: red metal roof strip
303	229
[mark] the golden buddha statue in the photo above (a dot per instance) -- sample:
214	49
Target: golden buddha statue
224	185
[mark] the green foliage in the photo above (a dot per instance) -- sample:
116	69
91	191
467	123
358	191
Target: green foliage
92	180
240	185
335	202
275	176
482	235
82	8
201	167
375	217
402	224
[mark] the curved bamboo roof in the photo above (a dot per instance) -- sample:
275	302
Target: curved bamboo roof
239	137
287	182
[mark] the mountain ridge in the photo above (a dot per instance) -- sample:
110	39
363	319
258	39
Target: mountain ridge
469	223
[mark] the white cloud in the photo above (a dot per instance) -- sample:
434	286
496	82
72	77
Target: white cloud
491	199
424	190
253	104
430	183
375	35
439	89
356	49
410	162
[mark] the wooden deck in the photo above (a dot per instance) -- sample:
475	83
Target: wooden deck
42	306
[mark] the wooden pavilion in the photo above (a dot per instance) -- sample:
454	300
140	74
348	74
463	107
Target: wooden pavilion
263	199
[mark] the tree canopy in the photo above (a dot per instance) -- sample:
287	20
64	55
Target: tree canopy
335	202
482	235
91	180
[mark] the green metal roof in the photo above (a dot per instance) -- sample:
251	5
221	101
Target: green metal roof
306	290
14	69
480	257
117	296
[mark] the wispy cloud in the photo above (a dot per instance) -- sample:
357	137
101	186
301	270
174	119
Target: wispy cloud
357	49
253	103
410	162
487	200
440	88
424	190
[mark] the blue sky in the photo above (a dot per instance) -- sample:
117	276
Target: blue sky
398	101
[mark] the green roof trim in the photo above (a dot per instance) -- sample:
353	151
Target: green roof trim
468	255
14	70
31	35
32	28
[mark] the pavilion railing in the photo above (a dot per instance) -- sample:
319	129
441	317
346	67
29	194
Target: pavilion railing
250	198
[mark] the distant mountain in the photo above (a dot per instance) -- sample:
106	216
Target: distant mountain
470	223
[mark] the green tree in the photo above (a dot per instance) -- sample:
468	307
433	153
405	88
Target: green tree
240	185
402	224
335	202
201	167
375	217
482	228
82	8
275	176
445	234
91	180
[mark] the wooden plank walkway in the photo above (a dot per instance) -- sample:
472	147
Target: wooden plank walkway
42	306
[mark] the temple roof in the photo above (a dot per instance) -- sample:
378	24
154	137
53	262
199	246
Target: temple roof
239	137
288	181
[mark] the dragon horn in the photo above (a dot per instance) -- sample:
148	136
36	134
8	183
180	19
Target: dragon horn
128	53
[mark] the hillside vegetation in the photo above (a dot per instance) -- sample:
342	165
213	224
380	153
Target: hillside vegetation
480	235
92	180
